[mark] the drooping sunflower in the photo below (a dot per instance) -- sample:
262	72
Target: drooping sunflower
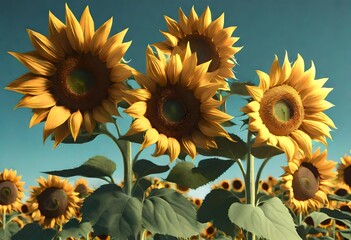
344	170
175	106
207	38
307	181
81	186
76	75
53	202
11	191
287	108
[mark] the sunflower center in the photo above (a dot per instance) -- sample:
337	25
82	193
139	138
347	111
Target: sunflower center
237	184
265	186
81	82
82	190
53	202
8	193
281	110
173	111
347	175
204	48
341	192
305	182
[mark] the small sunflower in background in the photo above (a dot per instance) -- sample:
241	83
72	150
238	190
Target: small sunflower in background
287	108
225	184
209	232
53	202
207	38
175	108
265	186
344	170
11	191
76	75
307	181
81	186
238	185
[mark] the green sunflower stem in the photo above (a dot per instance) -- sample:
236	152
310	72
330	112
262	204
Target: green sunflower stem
128	168
250	184
4	220
260	172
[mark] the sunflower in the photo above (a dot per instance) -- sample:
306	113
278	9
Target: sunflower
82	188
11	191
287	108
175	107
53	202
344	170
238	185
224	184
307	181
76	75
209	232
207	38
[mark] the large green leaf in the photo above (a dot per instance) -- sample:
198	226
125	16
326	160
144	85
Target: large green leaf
97	167
271	220
215	208
75	229
112	212
140	187
266	151
168	212
186	174
227	148
34	231
145	167
11	229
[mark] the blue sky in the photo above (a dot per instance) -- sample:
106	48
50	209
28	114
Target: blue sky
318	30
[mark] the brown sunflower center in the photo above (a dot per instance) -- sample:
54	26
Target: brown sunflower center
173	111
237	184
305	182
341	192
347	175
82	189
281	110
8	193
210	230
53	202
81	82
204	48
265	186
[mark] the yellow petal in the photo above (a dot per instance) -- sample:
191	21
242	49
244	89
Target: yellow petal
101	115
193	19
44	100
161	145
320	117
304	141
120	72
110	107
35	64
315	129
116	55
215	26
74	31
206	92
100	37
204	20
156	70
275	72
255	92
45	47
286	69
75	122
296	71
183	22
57	33
30	84
89	121
111	44
38	116
151	136
222	36
56	117
173	27
139	125
144	81
216	115
189	147
199	139
211	129
60	133
137	110
88	28
173	148
174	69
288	145
172	40
314	107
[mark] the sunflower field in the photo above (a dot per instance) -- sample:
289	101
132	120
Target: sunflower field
79	85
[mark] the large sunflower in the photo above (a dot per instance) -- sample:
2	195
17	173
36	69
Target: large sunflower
53	202
76	76
287	108
176	108
344	170
308	181
11	191
207	38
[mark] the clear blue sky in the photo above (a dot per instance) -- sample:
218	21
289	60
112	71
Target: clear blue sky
318	30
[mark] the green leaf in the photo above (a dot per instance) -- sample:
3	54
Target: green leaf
227	148
270	220
140	187
112	212
346	198
34	231
168	212
164	237
215	208
239	88
11	229
266	151
185	174
337	214
145	167
318	217
97	167
75	229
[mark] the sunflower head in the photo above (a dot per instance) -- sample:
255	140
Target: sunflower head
209	232
11	191
207	38
76	75
344	170
175	108
287	108
82	188
53	202
238	185
307	181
